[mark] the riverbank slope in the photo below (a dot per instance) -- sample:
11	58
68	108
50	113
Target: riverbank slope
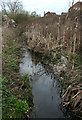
58	40
17	93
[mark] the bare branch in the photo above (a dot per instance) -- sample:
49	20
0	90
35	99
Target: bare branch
11	7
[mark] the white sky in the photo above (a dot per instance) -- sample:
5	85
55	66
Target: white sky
40	6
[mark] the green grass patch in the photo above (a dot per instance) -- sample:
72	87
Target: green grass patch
17	93
15	106
58	53
77	60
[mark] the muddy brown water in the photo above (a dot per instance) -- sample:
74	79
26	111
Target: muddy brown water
45	90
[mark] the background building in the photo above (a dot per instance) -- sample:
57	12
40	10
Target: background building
76	6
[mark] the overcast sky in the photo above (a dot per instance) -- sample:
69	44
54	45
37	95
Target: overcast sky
40	6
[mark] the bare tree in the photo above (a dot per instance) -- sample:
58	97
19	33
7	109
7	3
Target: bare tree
11	6
71	3
3	6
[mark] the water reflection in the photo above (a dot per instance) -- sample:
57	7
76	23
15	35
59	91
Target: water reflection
44	88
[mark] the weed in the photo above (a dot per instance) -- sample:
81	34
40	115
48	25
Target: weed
10	101
17	93
77	60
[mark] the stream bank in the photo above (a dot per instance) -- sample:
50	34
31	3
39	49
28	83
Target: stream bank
17	93
70	80
45	87
57	38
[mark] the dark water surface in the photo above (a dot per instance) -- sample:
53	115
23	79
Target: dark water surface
45	89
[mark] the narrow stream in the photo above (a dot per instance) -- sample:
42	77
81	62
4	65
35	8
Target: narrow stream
45	88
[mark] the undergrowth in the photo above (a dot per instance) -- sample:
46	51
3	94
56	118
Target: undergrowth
16	90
